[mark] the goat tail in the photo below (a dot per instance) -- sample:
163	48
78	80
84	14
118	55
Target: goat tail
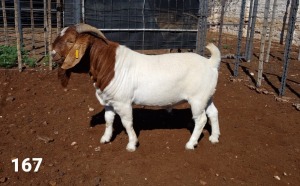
215	58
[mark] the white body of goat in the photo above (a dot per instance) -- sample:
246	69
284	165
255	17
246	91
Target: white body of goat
161	80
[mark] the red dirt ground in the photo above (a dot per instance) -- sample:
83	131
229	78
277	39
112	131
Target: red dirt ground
259	143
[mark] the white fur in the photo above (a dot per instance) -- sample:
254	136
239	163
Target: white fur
161	80
53	52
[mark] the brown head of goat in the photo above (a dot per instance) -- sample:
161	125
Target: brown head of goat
83	48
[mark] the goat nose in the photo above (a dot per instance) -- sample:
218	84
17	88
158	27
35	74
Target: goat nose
55	56
53	52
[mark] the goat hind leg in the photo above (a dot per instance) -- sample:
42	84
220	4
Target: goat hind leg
212	114
200	121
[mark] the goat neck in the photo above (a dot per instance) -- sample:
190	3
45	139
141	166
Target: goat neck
102	59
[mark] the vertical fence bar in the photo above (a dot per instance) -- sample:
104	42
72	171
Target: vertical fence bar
271	31
284	21
50	34
221	23
18	34
4	22
248	29
77	12
262	44
143	18
20	24
253	22
32	27
45	30
58	16
202	26
288	44
240	35
82	12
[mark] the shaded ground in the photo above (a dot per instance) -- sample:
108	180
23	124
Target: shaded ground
259	143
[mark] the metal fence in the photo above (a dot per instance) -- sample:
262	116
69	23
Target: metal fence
145	24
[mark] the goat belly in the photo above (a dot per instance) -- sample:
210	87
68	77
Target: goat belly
157	100
159	91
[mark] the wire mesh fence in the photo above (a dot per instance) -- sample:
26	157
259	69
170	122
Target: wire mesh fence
149	24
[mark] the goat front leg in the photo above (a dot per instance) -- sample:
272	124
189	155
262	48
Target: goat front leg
125	113
109	119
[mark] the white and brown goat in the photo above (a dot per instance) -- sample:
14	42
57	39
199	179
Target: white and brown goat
123	77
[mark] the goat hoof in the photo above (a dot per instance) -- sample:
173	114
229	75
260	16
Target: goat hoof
104	140
131	148
214	139
189	146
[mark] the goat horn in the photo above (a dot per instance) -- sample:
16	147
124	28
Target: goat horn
80	28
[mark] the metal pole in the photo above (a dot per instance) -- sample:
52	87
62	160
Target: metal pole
271	30
20	23
50	34
202	26
284	21
18	34
262	43
82	11
45	28
143	14
32	27
248	28
288	44
221	23
4	21
77	11
253	21
240	34
58	14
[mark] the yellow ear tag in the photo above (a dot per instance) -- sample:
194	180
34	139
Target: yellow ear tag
77	54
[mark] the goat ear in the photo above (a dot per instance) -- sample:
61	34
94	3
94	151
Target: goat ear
75	54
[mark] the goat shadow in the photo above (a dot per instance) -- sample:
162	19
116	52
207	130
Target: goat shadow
148	119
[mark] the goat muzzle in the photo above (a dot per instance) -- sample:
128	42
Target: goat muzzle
57	58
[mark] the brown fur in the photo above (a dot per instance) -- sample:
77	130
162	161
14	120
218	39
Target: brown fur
103	57
63	76
100	53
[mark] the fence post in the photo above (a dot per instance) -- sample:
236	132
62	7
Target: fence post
248	29
58	15
45	29
77	9
249	47
288	44
221	23
240	35
4	21
202	26
50	34
262	44
271	30
18	34
32	26
284	21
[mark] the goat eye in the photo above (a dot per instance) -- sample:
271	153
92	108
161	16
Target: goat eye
70	43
